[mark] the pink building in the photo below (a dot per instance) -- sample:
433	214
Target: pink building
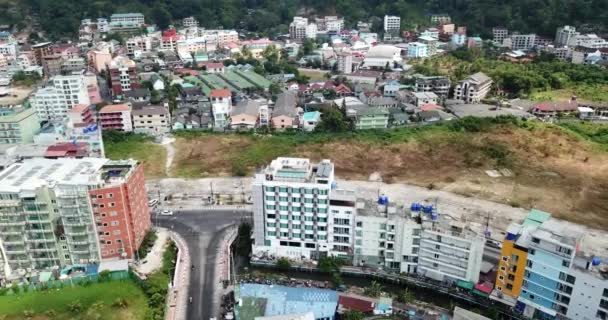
116	117
99	60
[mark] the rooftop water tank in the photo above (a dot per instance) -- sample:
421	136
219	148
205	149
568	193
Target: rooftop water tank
427	209
596	261
334	184
434	215
383	200
416	207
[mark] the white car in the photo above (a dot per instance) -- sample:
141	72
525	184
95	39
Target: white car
166	213
152	202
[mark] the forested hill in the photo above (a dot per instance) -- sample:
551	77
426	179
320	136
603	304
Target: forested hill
62	17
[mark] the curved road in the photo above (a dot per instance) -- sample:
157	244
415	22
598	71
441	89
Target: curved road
203	231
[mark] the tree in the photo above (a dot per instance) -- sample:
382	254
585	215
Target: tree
353	315
373	290
161	17
329	264
283	263
274	88
406	296
333	120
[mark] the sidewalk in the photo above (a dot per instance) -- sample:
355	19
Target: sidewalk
154	259
177	298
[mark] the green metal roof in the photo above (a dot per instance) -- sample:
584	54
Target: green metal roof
536	218
465	284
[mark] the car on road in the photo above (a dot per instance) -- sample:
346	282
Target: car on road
166	213
152	202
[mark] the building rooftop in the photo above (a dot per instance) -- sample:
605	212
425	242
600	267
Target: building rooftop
485	111
255	300
115	108
34	173
150	110
220	93
298	170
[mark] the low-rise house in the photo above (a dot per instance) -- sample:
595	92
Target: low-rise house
434	116
138	95
310	120
191	94
245	114
364	77
391	88
554	109
67	150
421	98
212	67
284	114
151	120
221	107
116	117
366	117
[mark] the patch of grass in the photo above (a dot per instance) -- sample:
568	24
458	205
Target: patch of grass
596	132
584	93
139	147
94	301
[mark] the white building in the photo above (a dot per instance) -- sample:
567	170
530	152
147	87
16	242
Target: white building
590	41
565	35
60	95
189	22
381	56
345	62
10	49
291	210
522	41
392	24
417	50
449	251
499	34
299	28
473	88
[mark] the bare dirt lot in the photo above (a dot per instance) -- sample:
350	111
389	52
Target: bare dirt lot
548	168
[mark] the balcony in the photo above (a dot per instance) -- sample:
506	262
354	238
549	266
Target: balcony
40	231
80	251
75	223
12	233
12	223
40	240
79	243
16	251
42	249
14	243
79	233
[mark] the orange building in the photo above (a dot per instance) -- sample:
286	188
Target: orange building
121	210
514	254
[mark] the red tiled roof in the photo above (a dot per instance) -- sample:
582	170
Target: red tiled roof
355	304
66	149
485	287
342	88
115	108
211	65
430	107
220	93
80	108
187	71
570	105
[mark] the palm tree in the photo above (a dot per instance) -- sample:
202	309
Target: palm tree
373	290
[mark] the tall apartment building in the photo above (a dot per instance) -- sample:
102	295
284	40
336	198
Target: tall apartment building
499	34
440	19
332	24
345	62
588	41
385	236
299	29
437	84
392	24
41	50
291	209
68	211
474	88
523	41
299	213
449	251
565	35
18	124
116	117
122	75
126	21
60	95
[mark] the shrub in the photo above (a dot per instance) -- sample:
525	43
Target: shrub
283	263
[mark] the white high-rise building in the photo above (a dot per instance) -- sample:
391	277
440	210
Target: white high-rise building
62	93
392	23
565	35
499	34
523	41
291	210
474	88
299	28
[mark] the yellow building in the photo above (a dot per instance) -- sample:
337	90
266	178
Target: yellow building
514	254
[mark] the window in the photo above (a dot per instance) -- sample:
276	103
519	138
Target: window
109	242
535	240
110	195
529	263
116	232
359	224
501	277
511	277
566	263
505	259
531	252
112	204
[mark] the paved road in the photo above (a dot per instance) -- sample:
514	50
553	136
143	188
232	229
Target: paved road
203	232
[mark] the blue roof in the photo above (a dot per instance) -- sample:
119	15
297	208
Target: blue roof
283	300
311	116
